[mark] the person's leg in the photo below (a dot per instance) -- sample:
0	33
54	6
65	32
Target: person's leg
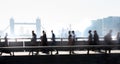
88	51
57	52
1	53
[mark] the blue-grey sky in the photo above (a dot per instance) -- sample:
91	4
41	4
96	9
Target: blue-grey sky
57	14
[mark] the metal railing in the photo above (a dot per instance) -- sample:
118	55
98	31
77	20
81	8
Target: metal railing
62	44
88	48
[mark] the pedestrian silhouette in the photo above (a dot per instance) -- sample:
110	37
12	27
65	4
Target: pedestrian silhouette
44	42
70	41
118	39
95	38
53	40
73	40
5	44
96	41
33	40
108	41
33	43
90	40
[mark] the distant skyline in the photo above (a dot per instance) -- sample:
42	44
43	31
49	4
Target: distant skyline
57	14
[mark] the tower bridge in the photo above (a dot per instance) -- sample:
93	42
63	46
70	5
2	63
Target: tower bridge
37	24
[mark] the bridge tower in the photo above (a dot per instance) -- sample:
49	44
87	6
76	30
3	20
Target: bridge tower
38	27
12	26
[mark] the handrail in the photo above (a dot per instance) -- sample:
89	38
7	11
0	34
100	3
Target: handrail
50	48
74	46
60	39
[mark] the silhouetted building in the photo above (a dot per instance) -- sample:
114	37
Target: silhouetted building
102	26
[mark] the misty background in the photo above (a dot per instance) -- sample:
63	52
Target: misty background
60	16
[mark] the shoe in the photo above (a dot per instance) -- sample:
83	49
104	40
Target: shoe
56	53
1	53
47	52
36	53
10	54
73	53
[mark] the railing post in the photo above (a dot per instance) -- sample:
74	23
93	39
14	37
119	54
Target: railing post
23	44
0	38
16	39
61	41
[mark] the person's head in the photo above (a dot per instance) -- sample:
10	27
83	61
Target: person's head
52	31
110	31
95	31
32	31
73	32
69	32
43	32
118	32
89	31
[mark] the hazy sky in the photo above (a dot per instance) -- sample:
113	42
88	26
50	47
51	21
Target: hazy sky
56	14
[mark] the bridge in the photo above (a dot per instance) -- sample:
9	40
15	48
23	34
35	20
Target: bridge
21	45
